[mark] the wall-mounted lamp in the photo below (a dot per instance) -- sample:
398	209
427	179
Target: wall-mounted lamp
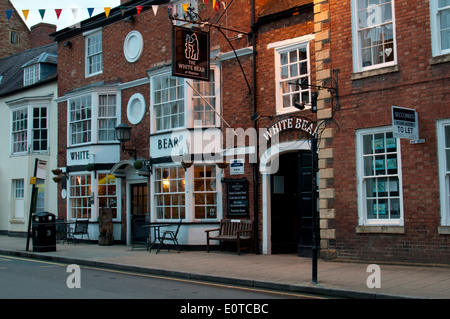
123	135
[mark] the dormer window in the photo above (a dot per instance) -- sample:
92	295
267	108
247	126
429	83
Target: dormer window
31	74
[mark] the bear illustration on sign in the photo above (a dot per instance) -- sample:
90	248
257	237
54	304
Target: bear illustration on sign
191	47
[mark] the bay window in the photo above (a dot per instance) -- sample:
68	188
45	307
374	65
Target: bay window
92	118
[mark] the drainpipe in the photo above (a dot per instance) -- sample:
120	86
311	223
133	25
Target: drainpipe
255	165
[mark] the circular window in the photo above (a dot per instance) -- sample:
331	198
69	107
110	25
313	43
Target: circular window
136	108
133	46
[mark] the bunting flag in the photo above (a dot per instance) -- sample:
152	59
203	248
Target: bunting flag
107	9
58	13
155	9
172	9
42	13
25	14
8	14
185	7
75	12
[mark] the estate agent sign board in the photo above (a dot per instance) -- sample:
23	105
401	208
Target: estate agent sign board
190	53
405	123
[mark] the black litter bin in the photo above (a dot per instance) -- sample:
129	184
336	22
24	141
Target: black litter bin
44	232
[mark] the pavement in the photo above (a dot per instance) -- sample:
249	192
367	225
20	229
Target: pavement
339	279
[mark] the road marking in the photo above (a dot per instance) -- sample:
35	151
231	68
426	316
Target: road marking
299	295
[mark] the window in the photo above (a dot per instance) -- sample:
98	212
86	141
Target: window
80	114
18	193
94	63
92	118
168	102
205	192
443	133
440	26
170	193
19	130
14	37
80	196
292	65
31	74
36	127
40	129
379	179
180	5
107	118
373	34
107	194
207	91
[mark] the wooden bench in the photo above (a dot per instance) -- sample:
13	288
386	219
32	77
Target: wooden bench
238	230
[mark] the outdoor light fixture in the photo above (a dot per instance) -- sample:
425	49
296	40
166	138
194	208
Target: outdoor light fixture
123	135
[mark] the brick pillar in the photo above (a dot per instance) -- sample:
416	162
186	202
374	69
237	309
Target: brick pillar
324	112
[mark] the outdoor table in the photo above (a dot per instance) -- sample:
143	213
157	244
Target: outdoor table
156	232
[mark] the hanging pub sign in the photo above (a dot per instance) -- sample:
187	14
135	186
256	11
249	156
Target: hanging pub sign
190	53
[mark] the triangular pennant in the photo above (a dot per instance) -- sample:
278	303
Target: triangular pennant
122	9
90	11
75	12
8	14
42	13
206	2
58	13
25	14
138	9
107	9
185	7
155	9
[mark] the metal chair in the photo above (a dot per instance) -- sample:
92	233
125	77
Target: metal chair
81	228
61	230
172	236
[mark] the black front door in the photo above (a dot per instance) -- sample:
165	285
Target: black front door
291	199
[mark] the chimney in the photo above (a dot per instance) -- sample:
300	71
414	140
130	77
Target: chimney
40	34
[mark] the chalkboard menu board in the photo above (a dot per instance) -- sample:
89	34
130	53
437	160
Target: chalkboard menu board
237	197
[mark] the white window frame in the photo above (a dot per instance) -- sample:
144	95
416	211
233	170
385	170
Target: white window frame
203	194
89	56
165	191
283	47
18	199
28	106
361	180
444	171
80	196
188	193
187	101
435	13
31	74
90	200
95	116
357	54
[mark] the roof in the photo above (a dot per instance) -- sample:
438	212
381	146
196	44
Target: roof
11	67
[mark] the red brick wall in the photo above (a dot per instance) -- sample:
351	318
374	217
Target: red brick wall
367	103
40	34
15	24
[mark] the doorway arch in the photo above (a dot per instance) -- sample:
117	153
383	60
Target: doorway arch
268	167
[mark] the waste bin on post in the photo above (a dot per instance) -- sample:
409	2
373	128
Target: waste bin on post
44	232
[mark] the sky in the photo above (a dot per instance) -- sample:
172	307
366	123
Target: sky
66	17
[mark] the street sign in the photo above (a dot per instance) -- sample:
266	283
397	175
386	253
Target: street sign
405	123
